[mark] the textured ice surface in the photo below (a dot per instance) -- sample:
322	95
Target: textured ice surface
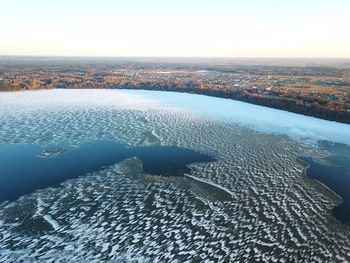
264	208
256	117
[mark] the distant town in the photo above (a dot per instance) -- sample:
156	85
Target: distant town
319	88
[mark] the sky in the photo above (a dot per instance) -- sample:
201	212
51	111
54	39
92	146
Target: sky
176	28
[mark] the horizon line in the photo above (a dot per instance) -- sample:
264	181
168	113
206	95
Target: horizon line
167	57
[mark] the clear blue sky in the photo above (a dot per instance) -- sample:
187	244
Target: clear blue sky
223	28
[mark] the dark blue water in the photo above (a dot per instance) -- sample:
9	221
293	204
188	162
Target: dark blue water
22	171
336	175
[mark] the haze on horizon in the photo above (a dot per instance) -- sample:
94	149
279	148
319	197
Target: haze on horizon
156	28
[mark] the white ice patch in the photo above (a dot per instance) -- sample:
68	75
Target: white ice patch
61	97
212	184
260	118
52	222
39	207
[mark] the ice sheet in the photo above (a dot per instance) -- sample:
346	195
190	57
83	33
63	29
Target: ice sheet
119	213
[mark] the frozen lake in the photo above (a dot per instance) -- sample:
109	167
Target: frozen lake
244	187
